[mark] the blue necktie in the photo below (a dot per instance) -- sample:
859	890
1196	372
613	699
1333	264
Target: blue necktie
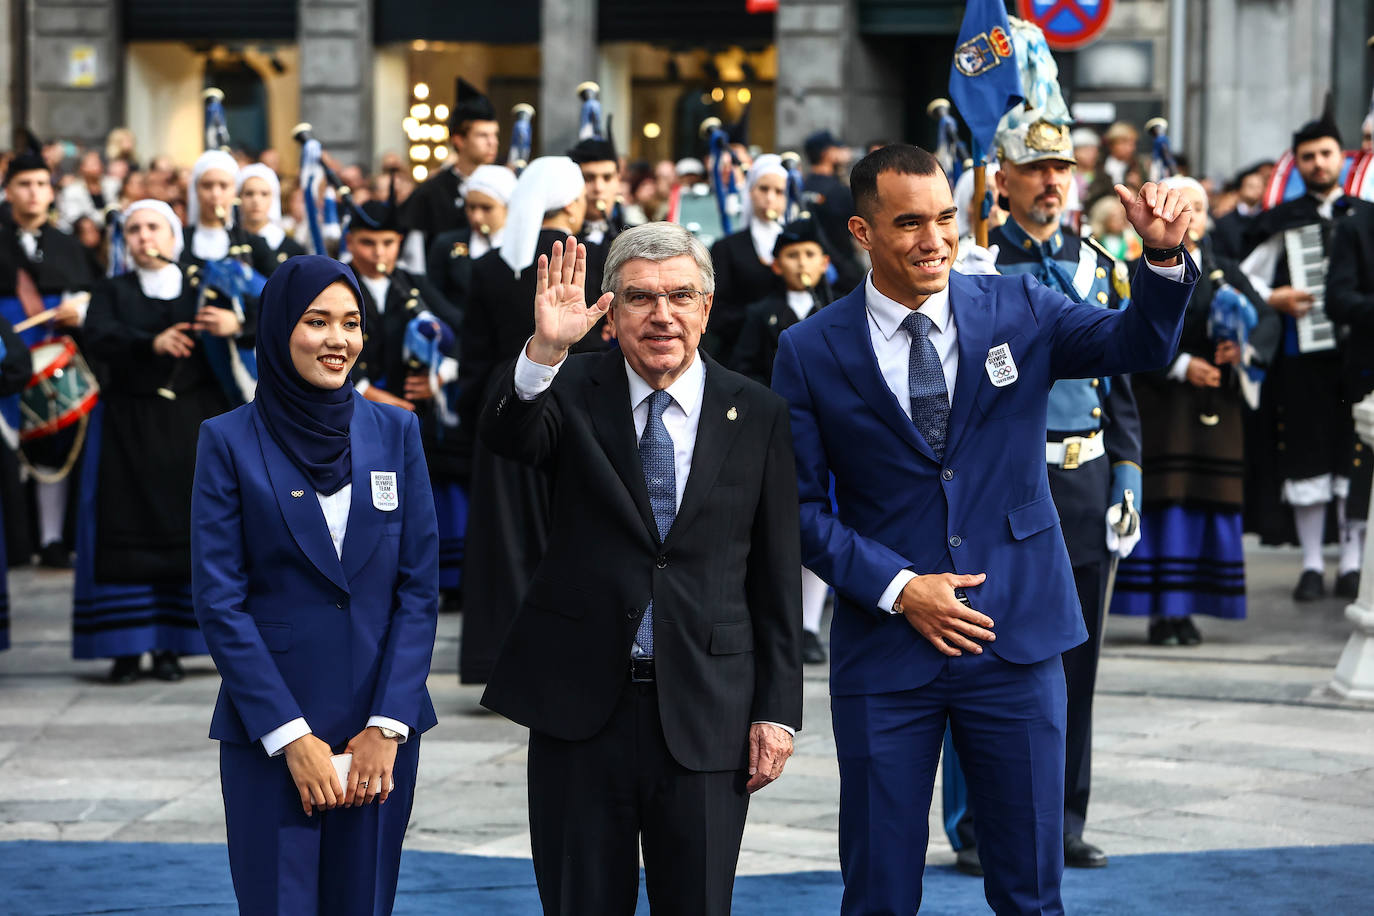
660	477
926	383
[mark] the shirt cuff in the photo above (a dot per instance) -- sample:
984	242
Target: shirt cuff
384	722
1174	273
894	588
448	370
533	379
791	731
1179	370
275	741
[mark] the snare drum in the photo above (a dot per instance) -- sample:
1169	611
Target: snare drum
61	392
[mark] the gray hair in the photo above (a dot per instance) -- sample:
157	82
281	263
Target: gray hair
656	242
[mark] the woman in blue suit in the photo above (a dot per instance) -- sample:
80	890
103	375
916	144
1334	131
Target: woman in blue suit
315	580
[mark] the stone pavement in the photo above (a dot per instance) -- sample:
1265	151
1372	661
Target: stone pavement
1232	744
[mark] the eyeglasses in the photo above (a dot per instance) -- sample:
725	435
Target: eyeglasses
680	301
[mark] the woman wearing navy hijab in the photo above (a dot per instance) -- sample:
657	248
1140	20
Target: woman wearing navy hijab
316	583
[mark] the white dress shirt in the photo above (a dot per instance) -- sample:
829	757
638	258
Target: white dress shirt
377	287
681	418
892	347
335	507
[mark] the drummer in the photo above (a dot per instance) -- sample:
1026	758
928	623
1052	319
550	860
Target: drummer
58	267
260	210
133	573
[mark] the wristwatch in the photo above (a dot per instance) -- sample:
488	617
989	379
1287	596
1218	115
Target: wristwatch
1163	254
388	733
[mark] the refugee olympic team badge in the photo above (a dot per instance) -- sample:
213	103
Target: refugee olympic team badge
982	52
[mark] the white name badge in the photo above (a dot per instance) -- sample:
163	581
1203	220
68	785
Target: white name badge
1001	368
384	495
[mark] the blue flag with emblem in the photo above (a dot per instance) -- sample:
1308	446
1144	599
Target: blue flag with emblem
984	81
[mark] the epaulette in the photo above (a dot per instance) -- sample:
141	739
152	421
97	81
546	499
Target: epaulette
1121	277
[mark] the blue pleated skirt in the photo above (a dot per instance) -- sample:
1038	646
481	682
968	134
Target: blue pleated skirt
109	619
1188	561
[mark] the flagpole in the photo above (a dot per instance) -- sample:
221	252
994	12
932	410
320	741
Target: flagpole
980	190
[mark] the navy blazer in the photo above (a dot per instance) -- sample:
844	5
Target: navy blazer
987	506
294	630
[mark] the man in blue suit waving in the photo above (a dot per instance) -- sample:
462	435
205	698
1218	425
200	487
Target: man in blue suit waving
924	395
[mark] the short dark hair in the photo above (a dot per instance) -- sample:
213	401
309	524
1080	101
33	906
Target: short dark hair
901	158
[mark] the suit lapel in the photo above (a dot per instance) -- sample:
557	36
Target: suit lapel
608	402
364	519
300	508
973	324
853	349
722	416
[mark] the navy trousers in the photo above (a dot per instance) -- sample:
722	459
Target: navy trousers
1007	722
342	862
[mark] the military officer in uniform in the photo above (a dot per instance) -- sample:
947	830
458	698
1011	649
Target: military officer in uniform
1093	438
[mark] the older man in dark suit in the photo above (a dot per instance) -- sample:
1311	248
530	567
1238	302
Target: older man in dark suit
656	657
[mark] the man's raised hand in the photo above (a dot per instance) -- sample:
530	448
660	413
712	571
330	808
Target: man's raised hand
561	314
1160	215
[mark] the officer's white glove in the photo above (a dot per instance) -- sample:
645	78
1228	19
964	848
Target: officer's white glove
1123	527
975	260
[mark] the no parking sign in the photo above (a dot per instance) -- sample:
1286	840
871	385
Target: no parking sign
1067	24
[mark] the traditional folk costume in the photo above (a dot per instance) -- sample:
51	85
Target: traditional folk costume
279	244
1190	559
133	569
743	262
1303	434
508	518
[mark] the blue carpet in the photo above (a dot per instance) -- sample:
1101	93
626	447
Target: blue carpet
64	879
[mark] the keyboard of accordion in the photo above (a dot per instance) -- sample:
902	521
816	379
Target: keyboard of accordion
1307	271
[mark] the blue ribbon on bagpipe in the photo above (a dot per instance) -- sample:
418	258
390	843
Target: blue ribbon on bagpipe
428	341
726	188
1232	317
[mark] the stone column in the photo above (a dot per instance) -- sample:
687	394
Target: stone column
567	56
75	68
336	76
829	78
1354	677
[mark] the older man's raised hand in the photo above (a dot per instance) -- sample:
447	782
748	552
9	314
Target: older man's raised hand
1160	215
561	314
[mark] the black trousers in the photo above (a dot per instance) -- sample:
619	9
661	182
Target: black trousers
594	802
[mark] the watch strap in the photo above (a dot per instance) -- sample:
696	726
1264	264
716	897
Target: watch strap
1163	254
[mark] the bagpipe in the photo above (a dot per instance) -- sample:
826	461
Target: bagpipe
795	204
323	190
724	167
231	279
950	150
589	119
521	137
1230	319
1162	162
428	342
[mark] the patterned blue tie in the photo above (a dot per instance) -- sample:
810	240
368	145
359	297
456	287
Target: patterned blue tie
656	455
926	383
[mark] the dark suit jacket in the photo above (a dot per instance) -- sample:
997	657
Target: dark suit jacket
449	266
757	346
725	583
741	279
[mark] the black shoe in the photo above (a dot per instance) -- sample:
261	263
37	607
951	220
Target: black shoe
812	651
1162	632
1310	586
55	556
166	667
125	669
966	860
1348	584
1078	854
1187	632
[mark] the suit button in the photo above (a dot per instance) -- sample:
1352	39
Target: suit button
955	541
947	474
339	605
661	561
632	614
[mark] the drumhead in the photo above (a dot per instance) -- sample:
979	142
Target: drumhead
50	356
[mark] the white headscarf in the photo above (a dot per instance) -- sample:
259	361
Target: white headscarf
258	170
164	281
1192	184
210	159
495	181
548	183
